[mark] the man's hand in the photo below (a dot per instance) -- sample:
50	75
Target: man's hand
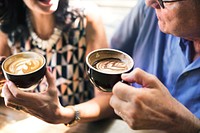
151	106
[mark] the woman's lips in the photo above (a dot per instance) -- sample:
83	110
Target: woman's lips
45	1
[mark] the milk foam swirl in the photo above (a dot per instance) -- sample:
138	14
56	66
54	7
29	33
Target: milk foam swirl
24	65
111	65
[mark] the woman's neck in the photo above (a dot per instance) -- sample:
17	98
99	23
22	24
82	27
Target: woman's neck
43	25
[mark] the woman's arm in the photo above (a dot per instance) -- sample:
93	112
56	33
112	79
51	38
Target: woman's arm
98	107
47	107
95	30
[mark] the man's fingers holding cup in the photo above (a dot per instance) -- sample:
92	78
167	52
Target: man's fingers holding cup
141	77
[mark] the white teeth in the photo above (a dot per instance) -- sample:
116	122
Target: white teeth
44	1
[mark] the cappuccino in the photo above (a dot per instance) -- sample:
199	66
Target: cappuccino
25	69
105	67
111	65
23	64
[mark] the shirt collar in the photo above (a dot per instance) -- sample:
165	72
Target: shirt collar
186	47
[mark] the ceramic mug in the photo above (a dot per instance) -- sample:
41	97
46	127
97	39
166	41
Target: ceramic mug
105	66
25	69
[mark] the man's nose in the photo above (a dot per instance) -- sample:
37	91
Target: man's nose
152	3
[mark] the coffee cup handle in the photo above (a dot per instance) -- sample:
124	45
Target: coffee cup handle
1	62
2	58
90	78
94	84
125	82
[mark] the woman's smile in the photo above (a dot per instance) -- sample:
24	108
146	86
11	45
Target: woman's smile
45	2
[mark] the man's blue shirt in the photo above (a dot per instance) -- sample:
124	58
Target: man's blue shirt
166	56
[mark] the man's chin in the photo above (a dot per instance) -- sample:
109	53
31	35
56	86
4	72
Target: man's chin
163	28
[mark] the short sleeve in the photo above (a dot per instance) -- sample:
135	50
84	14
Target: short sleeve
126	34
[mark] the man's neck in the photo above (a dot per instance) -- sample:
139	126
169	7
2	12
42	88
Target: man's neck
196	45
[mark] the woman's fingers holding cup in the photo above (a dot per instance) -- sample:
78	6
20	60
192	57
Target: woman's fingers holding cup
14	96
17	93
50	77
51	82
9	98
25	69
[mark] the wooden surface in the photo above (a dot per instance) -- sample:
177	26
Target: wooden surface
12	121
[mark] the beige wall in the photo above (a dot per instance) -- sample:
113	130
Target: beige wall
112	11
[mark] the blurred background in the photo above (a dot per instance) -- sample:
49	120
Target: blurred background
112	11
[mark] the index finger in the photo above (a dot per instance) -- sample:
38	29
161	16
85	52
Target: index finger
19	94
141	77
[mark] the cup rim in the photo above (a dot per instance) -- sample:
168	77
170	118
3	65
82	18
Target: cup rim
27	52
109	49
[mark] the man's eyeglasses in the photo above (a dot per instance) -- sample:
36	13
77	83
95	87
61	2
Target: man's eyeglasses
161	2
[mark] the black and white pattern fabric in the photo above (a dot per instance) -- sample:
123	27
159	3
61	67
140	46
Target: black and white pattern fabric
67	61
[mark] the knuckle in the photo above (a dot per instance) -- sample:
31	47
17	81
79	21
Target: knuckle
138	101
133	114
137	71
152	78
53	92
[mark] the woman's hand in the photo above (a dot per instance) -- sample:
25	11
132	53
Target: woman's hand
2	78
44	105
151	106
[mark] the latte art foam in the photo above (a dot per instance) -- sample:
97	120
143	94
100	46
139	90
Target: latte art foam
24	65
111	65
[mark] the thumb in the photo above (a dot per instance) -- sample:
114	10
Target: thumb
50	78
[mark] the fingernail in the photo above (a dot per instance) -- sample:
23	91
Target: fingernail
49	69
